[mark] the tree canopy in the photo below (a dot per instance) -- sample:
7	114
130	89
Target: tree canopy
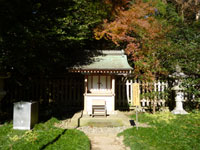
158	35
46	35
150	31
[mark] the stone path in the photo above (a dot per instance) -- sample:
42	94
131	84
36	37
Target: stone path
102	138
105	138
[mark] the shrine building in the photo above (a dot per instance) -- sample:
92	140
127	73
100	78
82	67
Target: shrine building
99	78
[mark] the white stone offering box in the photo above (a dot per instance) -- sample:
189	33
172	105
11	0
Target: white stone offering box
25	115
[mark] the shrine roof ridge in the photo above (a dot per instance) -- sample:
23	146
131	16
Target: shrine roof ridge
112	52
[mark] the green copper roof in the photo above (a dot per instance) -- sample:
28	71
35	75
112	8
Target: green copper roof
108	60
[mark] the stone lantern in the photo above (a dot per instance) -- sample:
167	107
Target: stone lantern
178	90
2	91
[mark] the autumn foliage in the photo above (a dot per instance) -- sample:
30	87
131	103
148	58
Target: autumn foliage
137	28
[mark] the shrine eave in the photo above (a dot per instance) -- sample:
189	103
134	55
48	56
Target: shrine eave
102	71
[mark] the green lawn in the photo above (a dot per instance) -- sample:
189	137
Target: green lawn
167	132
44	136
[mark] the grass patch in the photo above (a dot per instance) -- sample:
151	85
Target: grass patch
44	136
167	132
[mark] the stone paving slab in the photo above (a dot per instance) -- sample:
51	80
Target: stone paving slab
115	120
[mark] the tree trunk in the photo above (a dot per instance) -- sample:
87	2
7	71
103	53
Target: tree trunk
197	15
154	107
182	15
197	106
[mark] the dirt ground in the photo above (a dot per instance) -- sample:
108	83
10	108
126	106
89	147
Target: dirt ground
107	142
105	138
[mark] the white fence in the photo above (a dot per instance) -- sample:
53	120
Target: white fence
150	93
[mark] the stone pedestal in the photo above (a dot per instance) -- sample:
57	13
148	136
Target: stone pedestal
179	98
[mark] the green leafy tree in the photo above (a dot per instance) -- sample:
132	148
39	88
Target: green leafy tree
45	36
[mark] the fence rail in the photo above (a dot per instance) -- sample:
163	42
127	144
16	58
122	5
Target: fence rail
150	92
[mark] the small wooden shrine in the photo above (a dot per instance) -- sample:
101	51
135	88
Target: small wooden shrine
99	80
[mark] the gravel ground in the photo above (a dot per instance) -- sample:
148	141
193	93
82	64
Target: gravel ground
102	130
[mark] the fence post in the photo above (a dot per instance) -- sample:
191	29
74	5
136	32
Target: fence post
127	92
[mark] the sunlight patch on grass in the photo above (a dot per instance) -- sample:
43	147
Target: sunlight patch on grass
168	131
44	136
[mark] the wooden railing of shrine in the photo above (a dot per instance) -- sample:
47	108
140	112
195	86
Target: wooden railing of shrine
68	92
62	90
